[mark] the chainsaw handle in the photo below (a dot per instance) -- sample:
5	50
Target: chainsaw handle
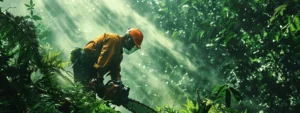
122	94
118	82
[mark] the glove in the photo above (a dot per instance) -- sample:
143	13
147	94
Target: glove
96	66
119	82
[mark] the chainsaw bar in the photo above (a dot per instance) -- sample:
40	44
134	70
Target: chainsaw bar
137	107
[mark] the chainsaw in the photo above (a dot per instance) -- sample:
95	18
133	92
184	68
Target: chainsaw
117	93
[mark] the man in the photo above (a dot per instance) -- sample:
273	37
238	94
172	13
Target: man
103	55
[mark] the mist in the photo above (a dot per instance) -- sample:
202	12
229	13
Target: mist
163	72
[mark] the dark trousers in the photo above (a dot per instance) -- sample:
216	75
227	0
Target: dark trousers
84	73
84	70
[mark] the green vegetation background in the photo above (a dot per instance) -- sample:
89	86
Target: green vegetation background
254	45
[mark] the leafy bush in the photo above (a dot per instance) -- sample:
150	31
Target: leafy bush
31	73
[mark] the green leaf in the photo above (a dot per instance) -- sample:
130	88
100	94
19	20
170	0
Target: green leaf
201	34
255	60
232	15
207	108
175	34
280	9
31	2
27	5
26	17
277	36
29	8
184	2
236	94
265	34
227	39
216	89
31	13
225	9
63	64
292	27
228	98
164	10
223	31
35	17
281	12
272	18
189	106
219	90
193	33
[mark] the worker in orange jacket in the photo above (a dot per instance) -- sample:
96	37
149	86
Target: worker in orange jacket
103	55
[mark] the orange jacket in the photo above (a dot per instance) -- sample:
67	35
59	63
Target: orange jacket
108	49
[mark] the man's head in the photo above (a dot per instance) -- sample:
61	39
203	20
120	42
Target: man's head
132	40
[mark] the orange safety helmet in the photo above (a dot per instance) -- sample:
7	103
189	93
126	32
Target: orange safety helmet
137	36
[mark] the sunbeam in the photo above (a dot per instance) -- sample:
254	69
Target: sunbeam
153	82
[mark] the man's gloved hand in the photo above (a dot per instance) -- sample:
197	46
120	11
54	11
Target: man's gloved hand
119	82
96	66
121	94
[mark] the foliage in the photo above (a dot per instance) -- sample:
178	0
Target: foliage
226	91
254	45
206	105
23	59
166	109
32	16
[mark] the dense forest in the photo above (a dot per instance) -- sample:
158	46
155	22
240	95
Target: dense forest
251	48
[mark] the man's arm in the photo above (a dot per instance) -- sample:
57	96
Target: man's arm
115	70
106	54
91	47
